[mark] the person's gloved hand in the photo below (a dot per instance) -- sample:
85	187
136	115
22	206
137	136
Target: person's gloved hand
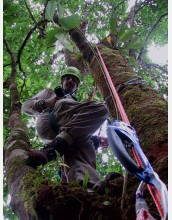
49	103
101	186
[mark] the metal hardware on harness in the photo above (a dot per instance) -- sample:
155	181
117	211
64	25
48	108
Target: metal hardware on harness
134	81
140	201
122	136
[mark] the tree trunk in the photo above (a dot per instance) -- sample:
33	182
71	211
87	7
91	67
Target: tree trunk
16	162
147	110
76	59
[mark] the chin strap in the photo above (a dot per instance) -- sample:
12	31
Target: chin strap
70	93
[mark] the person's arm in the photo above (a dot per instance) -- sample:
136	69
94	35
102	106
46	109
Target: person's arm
35	105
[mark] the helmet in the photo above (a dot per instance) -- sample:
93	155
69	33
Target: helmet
71	71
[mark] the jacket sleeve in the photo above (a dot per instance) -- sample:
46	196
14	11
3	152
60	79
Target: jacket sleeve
32	106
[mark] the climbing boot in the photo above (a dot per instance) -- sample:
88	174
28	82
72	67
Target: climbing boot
38	157
48	152
101	186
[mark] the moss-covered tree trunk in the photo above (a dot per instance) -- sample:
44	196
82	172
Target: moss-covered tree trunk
16	147
147	111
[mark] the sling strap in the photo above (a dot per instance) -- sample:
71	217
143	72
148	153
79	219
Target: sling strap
53	121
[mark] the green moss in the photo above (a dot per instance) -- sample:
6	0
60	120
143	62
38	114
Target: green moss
29	192
15	166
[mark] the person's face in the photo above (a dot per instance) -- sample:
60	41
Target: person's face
69	83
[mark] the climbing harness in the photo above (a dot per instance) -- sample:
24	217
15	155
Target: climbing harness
122	136
134	81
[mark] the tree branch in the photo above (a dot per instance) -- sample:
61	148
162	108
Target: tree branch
25	42
148	35
81	42
120	3
135	9
150	65
133	15
12	77
32	17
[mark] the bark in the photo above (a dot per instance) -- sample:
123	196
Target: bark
146	109
76	60
16	147
16	162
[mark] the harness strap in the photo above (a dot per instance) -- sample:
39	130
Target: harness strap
53	122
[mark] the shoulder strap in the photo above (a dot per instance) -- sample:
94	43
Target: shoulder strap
53	121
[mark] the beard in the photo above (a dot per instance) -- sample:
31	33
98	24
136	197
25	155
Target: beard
69	88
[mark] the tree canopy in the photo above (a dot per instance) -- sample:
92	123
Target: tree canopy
37	33
31	33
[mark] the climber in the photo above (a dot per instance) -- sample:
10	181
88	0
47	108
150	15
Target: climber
66	126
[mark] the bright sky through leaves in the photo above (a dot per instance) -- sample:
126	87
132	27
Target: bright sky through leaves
158	54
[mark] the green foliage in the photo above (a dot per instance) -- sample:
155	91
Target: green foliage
50	9
50	171
51	37
86	180
63	37
110	165
113	24
7	211
70	22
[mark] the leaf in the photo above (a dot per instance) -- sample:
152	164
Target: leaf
70	22
85	180
113	25
28	82
51	36
134	44
63	165
122	30
64	40
125	37
60	10
50	9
